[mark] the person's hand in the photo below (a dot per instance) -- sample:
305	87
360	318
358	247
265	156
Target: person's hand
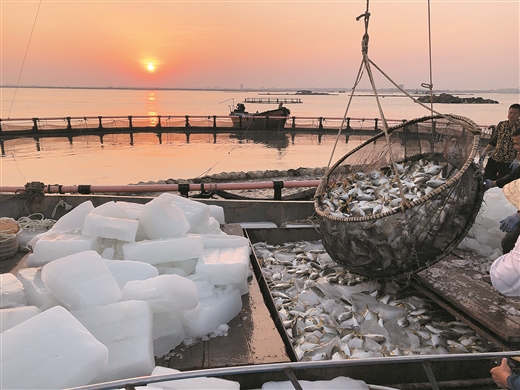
487	184
509	223
501	373
514	164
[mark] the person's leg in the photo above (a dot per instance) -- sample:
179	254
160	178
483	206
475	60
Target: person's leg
503	169
509	240
490	171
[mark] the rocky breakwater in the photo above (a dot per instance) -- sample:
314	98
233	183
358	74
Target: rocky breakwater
241	176
450	99
292	174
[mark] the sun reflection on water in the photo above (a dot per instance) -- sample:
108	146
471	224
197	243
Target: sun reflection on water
152	109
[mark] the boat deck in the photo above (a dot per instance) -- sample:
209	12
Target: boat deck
467	294
456	283
252	337
254	340
451	282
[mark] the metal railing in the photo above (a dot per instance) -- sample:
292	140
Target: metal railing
426	361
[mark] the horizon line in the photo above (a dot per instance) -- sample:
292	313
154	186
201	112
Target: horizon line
329	89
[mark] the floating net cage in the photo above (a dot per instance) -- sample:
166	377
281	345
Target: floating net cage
403	199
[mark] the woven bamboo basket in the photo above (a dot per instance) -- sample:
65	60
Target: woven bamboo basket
9	232
395	242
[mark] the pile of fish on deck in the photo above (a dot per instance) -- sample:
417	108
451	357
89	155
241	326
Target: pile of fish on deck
108	288
329	313
377	192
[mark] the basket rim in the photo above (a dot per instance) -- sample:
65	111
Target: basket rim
423	199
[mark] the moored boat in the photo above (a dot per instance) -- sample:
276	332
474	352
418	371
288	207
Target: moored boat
265	120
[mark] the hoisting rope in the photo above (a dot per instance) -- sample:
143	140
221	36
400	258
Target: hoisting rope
424	85
365	64
356	82
24	57
405	204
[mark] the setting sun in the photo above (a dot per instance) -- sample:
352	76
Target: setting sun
150	67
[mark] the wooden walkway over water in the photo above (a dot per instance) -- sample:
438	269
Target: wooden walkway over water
271	100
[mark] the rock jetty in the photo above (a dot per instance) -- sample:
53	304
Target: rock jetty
222	177
450	99
289	174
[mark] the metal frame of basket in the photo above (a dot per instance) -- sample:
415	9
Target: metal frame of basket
409	238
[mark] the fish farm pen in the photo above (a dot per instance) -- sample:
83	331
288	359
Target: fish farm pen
70	127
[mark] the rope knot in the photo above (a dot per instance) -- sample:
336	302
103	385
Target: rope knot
366	15
364	44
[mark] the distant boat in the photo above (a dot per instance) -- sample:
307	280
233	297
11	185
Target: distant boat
266	120
309	92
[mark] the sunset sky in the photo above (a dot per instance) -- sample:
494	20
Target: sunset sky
257	44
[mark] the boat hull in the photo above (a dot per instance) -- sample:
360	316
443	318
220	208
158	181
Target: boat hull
267	120
467	371
254	122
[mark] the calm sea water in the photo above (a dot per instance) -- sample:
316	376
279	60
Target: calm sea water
115	161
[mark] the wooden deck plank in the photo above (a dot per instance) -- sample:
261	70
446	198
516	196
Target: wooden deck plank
464	288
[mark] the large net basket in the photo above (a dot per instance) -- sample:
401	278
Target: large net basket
397	204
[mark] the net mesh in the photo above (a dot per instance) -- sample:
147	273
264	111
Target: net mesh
402	201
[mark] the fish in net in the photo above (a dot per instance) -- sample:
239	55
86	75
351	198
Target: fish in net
403	199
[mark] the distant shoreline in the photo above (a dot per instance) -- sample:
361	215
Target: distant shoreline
336	90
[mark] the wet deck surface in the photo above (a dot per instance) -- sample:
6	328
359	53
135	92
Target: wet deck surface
252	337
14	263
455	280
